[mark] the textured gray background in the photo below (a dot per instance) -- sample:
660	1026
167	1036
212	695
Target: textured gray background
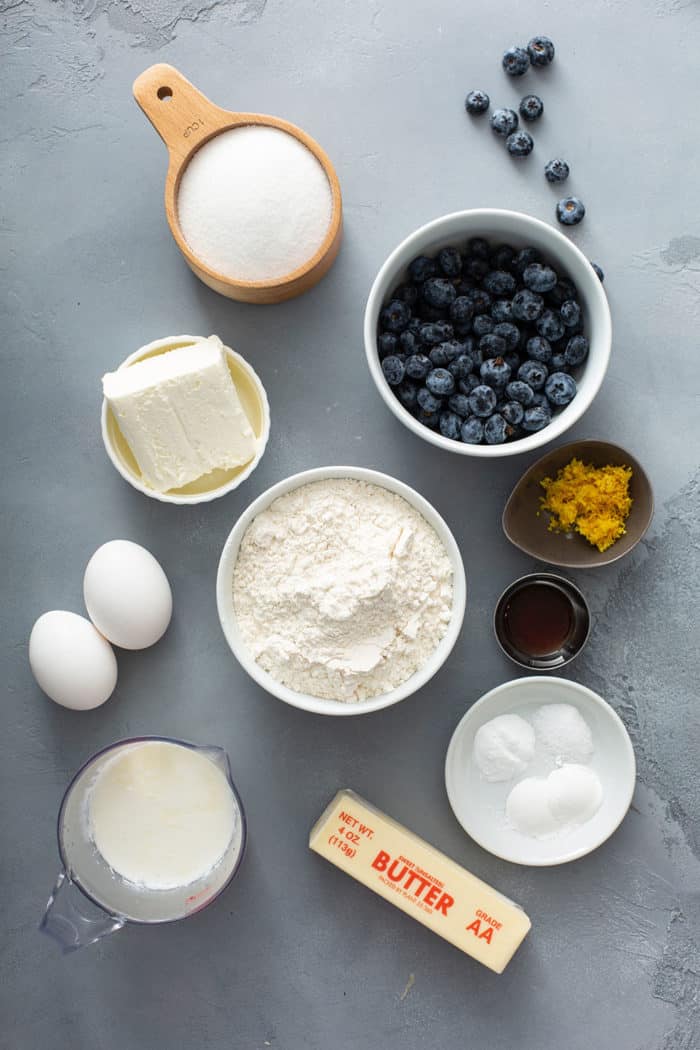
295	955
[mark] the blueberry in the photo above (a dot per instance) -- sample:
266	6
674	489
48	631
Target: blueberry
570	211
495	373
452	348
469	384
576	350
502	257
599	273
418	366
409	342
538	349
439	357
502	311
472	432
558	362
482	300
531	107
513	412
407	293
510	333
482	400
523	259
504	122
556	170
407	393
491	346
520	144
483	324
536	418
475	268
435	332
450	425
450	261
428	419
534	373
517	391
478	356
540	399
395	316
540	50
387	343
496	430
527	305
393	369
439	292
422	268
427	401
478	247
564	290
516	61
539	278
461	366
462	310
459	403
550	325
499	282
477	102
560	388
440	382
570	313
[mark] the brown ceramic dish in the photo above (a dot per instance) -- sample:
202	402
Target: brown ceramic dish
530	532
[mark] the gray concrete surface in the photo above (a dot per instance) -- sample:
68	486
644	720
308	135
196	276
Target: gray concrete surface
296	956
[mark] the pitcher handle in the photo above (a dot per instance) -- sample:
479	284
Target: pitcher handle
66	920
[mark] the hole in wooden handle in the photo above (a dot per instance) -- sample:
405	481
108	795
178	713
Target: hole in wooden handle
164	93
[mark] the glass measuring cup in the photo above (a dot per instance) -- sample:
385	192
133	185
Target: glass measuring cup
90	900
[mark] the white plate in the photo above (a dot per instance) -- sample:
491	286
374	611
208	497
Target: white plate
480	806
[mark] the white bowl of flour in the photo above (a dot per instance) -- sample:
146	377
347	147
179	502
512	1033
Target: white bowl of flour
341	590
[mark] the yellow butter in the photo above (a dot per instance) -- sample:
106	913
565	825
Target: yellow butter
407	871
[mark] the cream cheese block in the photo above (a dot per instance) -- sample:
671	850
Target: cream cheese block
405	870
181	415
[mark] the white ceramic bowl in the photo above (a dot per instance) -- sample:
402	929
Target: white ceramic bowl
479	807
319	705
509	227
253	398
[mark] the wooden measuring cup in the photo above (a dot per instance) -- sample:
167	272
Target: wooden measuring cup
185	119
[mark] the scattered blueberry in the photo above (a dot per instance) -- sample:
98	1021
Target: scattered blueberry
393	369
496	430
417	366
556	170
520	144
477	102
510	334
513	412
536	418
599	272
570	313
560	388
538	349
540	50
440	382
570	211
461	366
516	61
527	305
531	107
495	372
499	282
502	311
387	343
482	400
422	268
435	332
492	345
450	261
517	391
472	432
550	325
450	425
534	373
427	401
459	403
395	316
462	310
504	122
439	292
539	278
576	350
439	357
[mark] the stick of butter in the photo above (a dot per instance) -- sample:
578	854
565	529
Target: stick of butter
404	869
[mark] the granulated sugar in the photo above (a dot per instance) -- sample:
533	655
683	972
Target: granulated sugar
254	204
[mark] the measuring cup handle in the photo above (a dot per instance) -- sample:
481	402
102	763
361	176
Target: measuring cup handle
180	113
66	921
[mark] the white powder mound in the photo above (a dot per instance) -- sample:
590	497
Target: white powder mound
254	203
504	747
575	793
528	808
342	590
562	732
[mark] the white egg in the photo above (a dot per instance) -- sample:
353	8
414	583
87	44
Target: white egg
575	793
528	809
71	661
127	595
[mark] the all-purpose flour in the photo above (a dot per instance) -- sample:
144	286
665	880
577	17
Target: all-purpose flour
342	589
254	203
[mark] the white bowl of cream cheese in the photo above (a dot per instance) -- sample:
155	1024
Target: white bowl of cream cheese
424	525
